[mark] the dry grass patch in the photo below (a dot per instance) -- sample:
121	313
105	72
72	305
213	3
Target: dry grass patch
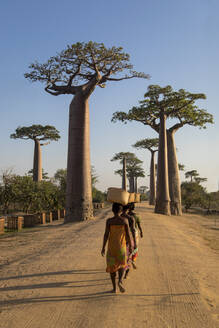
207	226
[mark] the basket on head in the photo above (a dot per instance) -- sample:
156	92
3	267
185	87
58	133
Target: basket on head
117	195
131	197
137	198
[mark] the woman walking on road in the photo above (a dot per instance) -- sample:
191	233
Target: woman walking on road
130	256
137	227
117	234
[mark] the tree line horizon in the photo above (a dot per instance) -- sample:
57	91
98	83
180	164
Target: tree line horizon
78	70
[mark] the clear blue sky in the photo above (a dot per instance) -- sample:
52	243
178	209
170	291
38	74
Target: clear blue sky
176	42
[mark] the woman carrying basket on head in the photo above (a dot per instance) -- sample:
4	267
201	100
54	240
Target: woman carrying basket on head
117	234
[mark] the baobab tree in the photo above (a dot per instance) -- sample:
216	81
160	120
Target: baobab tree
77	70
138	172
194	176
38	134
158	105
152	146
134	171
191	174
123	157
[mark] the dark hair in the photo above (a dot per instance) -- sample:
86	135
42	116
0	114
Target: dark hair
132	206
116	208
126	207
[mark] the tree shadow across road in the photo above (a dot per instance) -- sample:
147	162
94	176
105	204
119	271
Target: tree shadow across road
42	274
85	297
66	284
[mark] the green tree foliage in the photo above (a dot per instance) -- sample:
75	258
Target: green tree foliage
134	168
23	194
200	180
94	176
150	144
119	156
60	178
79	64
7	195
191	174
132	171
213	201
194	176
98	196
131	159
193	194
131	168
178	105
48	197
36	132
45	175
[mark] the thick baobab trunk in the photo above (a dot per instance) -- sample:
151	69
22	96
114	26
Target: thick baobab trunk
163	199
124	184
174	179
136	184
79	191
37	162
152	180
131	184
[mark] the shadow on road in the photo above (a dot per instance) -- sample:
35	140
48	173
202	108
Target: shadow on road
84	271
85	297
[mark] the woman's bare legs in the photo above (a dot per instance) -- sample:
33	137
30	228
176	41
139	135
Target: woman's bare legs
121	288
113	279
126	274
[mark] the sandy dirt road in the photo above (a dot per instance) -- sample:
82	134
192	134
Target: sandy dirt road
54	277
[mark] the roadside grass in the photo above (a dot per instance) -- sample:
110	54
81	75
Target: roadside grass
207	226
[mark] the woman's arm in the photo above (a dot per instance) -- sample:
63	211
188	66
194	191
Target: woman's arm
128	236
140	229
105	237
138	222
132	228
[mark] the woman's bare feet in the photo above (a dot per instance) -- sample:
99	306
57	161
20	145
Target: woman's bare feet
134	265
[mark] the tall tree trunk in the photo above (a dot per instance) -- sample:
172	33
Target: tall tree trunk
78	191
163	199
124	184
174	179
131	184
37	162
152	180
136	184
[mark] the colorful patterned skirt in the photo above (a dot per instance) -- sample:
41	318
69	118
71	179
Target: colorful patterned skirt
135	252
116	257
